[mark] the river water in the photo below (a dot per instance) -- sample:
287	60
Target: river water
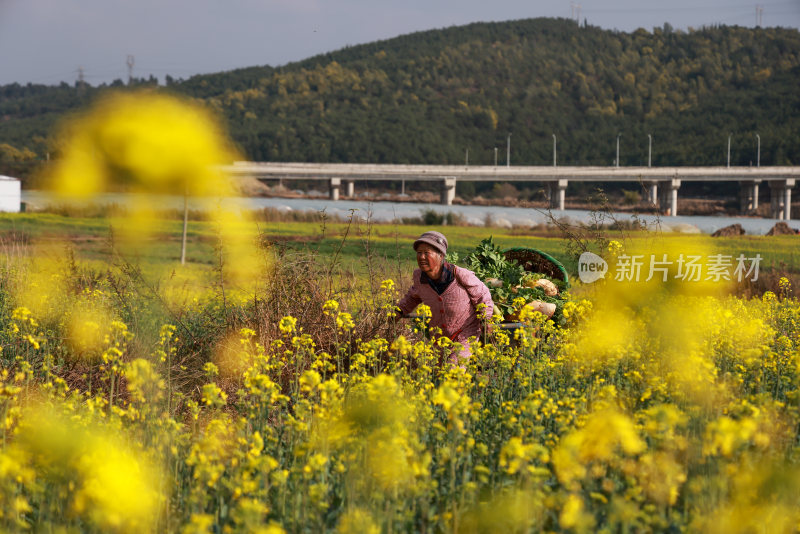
475	215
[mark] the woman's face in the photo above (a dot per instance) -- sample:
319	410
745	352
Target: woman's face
429	260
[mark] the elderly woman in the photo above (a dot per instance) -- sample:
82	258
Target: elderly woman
452	293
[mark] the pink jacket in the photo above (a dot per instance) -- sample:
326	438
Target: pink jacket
454	310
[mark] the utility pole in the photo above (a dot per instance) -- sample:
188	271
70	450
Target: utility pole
185	226
616	163
758	151
80	81
649	150
729	150
130	61
495	156
759	14
554	150
466	159
575	12
508	151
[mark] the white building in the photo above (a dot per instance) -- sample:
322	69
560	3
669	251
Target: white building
10	194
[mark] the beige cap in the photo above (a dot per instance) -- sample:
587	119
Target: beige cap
434	239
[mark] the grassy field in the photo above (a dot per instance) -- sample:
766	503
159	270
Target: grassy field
358	245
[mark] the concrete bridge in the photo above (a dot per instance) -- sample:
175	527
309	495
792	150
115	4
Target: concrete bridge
662	183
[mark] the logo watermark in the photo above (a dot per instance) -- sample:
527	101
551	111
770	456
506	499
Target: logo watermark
688	268
591	267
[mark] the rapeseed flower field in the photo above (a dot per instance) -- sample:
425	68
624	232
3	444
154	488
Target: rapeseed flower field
265	398
652	420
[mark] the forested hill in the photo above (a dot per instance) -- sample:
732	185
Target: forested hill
427	97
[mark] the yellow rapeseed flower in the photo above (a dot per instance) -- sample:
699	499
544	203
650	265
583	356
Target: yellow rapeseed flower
574	516
357	521
288	325
330	307
344	321
111	483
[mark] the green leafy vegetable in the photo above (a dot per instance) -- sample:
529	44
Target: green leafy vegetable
507	280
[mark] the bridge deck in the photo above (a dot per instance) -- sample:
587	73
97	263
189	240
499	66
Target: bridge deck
663	182
354	171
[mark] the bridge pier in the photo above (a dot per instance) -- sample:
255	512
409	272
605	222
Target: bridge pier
558	194
781	198
748	195
336	183
669	196
448	190
350	188
652	192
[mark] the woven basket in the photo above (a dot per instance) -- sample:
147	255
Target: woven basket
536	261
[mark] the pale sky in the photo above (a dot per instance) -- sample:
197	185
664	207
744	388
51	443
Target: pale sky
48	41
